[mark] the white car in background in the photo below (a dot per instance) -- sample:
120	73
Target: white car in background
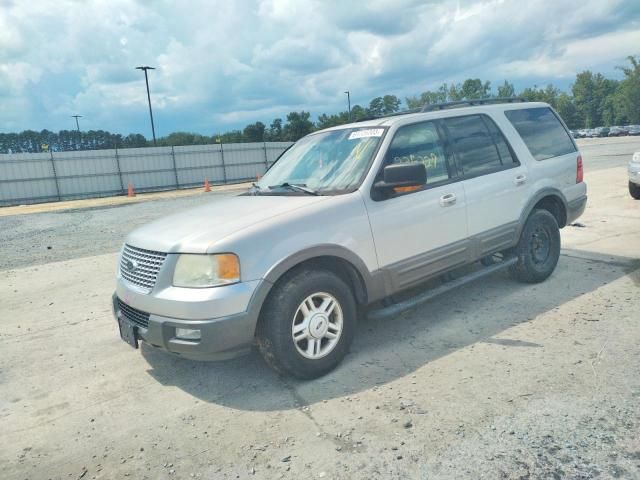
634	176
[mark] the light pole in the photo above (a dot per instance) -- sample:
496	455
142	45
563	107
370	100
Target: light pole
78	127
146	79
349	103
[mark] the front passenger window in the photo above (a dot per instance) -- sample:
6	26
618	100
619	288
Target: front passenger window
420	143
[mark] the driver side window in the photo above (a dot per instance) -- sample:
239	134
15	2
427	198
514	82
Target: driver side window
420	143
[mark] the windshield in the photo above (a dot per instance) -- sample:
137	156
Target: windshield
323	162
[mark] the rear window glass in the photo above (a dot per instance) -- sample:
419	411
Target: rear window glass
541	131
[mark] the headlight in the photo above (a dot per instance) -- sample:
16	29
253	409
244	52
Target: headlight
200	271
636	157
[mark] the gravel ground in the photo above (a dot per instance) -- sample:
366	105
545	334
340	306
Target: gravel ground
497	380
41	238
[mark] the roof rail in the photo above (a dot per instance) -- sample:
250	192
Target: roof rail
394	114
444	106
469	103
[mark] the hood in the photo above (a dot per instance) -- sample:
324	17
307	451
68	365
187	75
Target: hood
195	229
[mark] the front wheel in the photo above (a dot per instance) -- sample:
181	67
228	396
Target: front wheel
538	249
634	190
307	323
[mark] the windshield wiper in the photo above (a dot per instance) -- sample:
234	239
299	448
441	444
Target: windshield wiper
295	186
254	189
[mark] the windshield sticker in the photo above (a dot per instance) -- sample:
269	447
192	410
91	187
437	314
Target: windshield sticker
371	132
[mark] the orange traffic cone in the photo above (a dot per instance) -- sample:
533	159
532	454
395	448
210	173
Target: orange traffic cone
207	187
130	192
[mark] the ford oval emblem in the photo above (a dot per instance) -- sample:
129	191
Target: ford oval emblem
131	265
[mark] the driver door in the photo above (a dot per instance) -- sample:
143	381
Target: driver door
421	232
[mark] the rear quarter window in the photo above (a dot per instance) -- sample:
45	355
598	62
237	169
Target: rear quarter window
541	131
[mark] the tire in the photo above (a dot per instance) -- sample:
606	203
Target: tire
634	190
292	303
538	249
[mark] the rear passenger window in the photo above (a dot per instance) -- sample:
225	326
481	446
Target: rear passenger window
473	144
420	143
541	131
506	157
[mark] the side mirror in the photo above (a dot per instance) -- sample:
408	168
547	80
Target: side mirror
403	175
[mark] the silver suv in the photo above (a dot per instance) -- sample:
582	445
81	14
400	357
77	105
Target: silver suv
345	219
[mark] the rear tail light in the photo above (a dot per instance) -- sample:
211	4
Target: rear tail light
579	170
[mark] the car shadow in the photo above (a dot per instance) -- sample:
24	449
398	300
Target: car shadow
385	350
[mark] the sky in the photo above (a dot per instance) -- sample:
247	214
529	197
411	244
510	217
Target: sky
223	64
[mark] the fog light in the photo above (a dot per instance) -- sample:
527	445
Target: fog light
187	334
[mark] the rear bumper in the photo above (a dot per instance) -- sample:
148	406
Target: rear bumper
575	208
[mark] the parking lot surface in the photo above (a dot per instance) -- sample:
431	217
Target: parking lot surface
494	380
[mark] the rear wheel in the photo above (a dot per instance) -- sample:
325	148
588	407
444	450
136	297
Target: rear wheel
634	190
538	249
307	323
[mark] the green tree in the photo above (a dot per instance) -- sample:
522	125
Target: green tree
589	94
391	104
627	95
474	88
358	112
549	94
134	140
567	110
384	105
429	97
327	121
233	136
183	138
298	125
254	132
274	133
506	90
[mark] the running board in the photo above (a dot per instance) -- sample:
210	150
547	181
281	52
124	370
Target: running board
434	292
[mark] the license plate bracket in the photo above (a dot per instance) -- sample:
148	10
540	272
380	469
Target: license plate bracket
128	332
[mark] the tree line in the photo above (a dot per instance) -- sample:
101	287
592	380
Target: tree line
67	140
593	100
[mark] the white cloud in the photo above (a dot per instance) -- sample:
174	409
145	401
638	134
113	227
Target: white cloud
223	64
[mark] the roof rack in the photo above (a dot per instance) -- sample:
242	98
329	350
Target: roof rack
469	103
394	114
445	106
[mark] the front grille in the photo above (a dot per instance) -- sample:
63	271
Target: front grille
134	315
140	267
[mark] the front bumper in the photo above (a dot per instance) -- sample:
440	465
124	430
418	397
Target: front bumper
226	319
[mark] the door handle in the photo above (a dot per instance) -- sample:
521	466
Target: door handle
448	199
520	179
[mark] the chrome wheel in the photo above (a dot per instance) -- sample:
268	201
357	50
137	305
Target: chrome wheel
317	325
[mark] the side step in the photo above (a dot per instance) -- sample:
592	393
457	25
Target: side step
434	292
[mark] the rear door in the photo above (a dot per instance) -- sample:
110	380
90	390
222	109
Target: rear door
494	181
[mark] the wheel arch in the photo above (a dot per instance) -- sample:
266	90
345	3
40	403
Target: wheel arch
340	260
366	286
549	199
